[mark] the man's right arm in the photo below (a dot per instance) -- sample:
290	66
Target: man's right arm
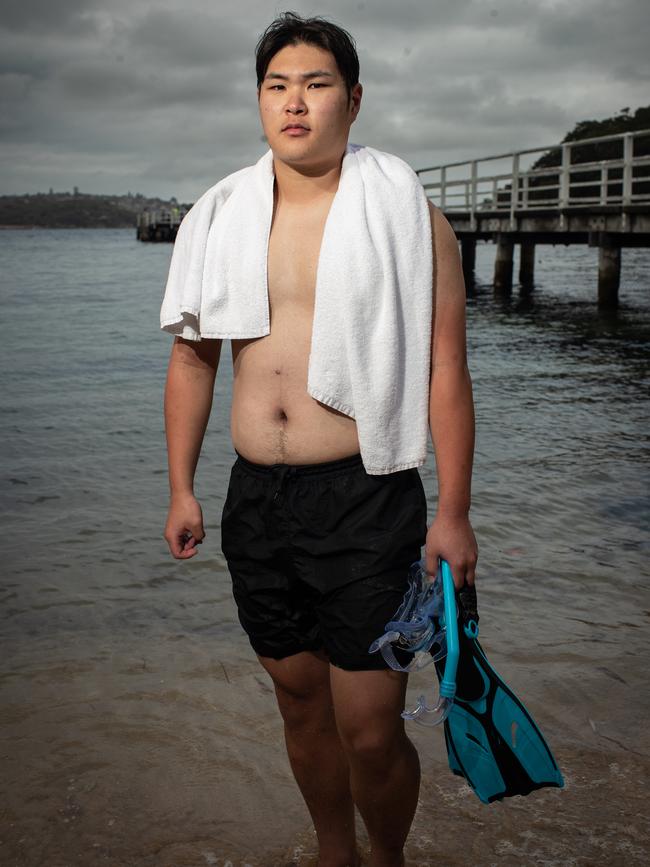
188	400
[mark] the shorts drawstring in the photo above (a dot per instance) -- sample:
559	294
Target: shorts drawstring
282	472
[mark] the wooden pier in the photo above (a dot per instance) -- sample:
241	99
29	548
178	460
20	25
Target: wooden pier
159	225
562	198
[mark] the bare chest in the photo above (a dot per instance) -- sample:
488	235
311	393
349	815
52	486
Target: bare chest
294	250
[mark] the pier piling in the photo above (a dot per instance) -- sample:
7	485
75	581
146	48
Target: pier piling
527	264
609	274
503	264
468	254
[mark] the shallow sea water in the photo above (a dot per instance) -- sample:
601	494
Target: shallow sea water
137	727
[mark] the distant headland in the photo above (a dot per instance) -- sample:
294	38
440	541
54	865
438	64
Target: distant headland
77	210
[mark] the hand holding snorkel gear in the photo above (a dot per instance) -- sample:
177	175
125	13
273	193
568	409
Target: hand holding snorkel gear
426	626
451	537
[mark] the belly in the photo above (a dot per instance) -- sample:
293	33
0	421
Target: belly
273	418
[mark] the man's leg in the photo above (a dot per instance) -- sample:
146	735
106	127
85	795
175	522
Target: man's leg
302	687
384	764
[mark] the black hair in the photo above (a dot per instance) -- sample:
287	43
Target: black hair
290	29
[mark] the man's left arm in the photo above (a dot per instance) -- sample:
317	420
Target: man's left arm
451	411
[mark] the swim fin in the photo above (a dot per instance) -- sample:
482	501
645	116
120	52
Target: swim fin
491	738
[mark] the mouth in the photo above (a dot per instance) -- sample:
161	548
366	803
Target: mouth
295	129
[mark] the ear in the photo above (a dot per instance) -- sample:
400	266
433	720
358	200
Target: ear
355	101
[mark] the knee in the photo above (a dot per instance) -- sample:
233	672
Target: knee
372	745
302	689
305	710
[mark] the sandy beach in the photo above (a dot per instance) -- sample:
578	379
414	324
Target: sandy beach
160	753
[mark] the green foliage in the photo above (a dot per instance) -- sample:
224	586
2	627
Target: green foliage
620	123
580	185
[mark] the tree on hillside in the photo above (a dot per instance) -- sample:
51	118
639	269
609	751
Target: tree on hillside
621	122
589	153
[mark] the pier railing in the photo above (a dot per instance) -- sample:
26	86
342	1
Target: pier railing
560	180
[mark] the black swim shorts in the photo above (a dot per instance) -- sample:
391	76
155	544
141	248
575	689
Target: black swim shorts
319	554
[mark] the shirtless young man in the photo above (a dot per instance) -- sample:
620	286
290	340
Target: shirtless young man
312	615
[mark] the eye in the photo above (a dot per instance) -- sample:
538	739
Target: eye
275	86
318	84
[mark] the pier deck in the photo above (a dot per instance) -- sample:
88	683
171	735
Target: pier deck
564	197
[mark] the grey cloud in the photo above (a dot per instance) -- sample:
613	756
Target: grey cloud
595	32
117	83
117	94
397	17
43	17
200	39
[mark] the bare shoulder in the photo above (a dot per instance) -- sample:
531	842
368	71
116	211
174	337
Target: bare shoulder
442	233
449	284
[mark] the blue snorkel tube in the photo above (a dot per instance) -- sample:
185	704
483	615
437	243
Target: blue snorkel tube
422	713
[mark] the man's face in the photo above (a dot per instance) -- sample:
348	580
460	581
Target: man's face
304	106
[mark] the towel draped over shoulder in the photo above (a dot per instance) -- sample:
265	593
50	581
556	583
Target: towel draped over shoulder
370	350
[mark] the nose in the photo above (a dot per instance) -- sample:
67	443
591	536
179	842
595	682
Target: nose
295	103
295	108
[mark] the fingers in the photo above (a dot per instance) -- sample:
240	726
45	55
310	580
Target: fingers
464	572
184	548
178	547
463	569
470	574
431	563
183	543
190	543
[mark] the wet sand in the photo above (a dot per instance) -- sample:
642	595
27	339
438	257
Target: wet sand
168	750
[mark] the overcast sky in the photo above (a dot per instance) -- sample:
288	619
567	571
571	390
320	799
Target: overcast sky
159	97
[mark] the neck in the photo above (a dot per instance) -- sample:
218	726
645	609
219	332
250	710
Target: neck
302	184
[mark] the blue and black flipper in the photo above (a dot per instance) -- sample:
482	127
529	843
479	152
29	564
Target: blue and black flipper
492	740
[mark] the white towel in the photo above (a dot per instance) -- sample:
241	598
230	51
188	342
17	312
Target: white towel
371	335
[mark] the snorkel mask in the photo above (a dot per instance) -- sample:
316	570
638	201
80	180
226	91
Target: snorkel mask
425	627
417	629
